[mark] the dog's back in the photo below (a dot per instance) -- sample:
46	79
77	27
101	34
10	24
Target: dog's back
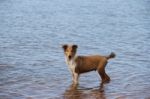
89	63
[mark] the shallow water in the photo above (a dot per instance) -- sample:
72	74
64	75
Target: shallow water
32	63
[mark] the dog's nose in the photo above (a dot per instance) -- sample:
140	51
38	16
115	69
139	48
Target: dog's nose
69	56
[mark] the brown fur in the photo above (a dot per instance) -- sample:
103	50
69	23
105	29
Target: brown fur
87	63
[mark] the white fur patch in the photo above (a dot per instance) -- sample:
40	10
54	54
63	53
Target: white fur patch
71	64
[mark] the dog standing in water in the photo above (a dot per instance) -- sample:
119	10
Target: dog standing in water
83	64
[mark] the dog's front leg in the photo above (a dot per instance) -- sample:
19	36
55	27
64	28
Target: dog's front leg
72	73
72	76
76	77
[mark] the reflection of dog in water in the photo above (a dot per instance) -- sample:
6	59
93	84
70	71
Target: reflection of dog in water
82	64
76	92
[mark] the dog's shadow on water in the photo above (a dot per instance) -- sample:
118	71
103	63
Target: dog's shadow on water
79	92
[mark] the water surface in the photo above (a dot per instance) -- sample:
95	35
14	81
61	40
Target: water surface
32	63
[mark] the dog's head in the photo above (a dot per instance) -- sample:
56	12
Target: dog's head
69	50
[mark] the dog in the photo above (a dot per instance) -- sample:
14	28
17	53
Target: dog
83	64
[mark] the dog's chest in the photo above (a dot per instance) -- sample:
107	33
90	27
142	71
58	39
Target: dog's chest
71	65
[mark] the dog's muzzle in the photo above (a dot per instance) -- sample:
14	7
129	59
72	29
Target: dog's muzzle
69	57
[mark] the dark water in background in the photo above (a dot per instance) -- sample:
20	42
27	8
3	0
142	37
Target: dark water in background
32	62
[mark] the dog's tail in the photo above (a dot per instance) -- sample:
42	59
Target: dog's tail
112	55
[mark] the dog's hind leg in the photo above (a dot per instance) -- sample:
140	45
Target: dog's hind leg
101	70
102	74
107	78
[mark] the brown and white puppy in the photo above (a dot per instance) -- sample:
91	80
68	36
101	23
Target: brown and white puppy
83	64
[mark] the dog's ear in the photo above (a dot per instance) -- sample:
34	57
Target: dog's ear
64	46
74	46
